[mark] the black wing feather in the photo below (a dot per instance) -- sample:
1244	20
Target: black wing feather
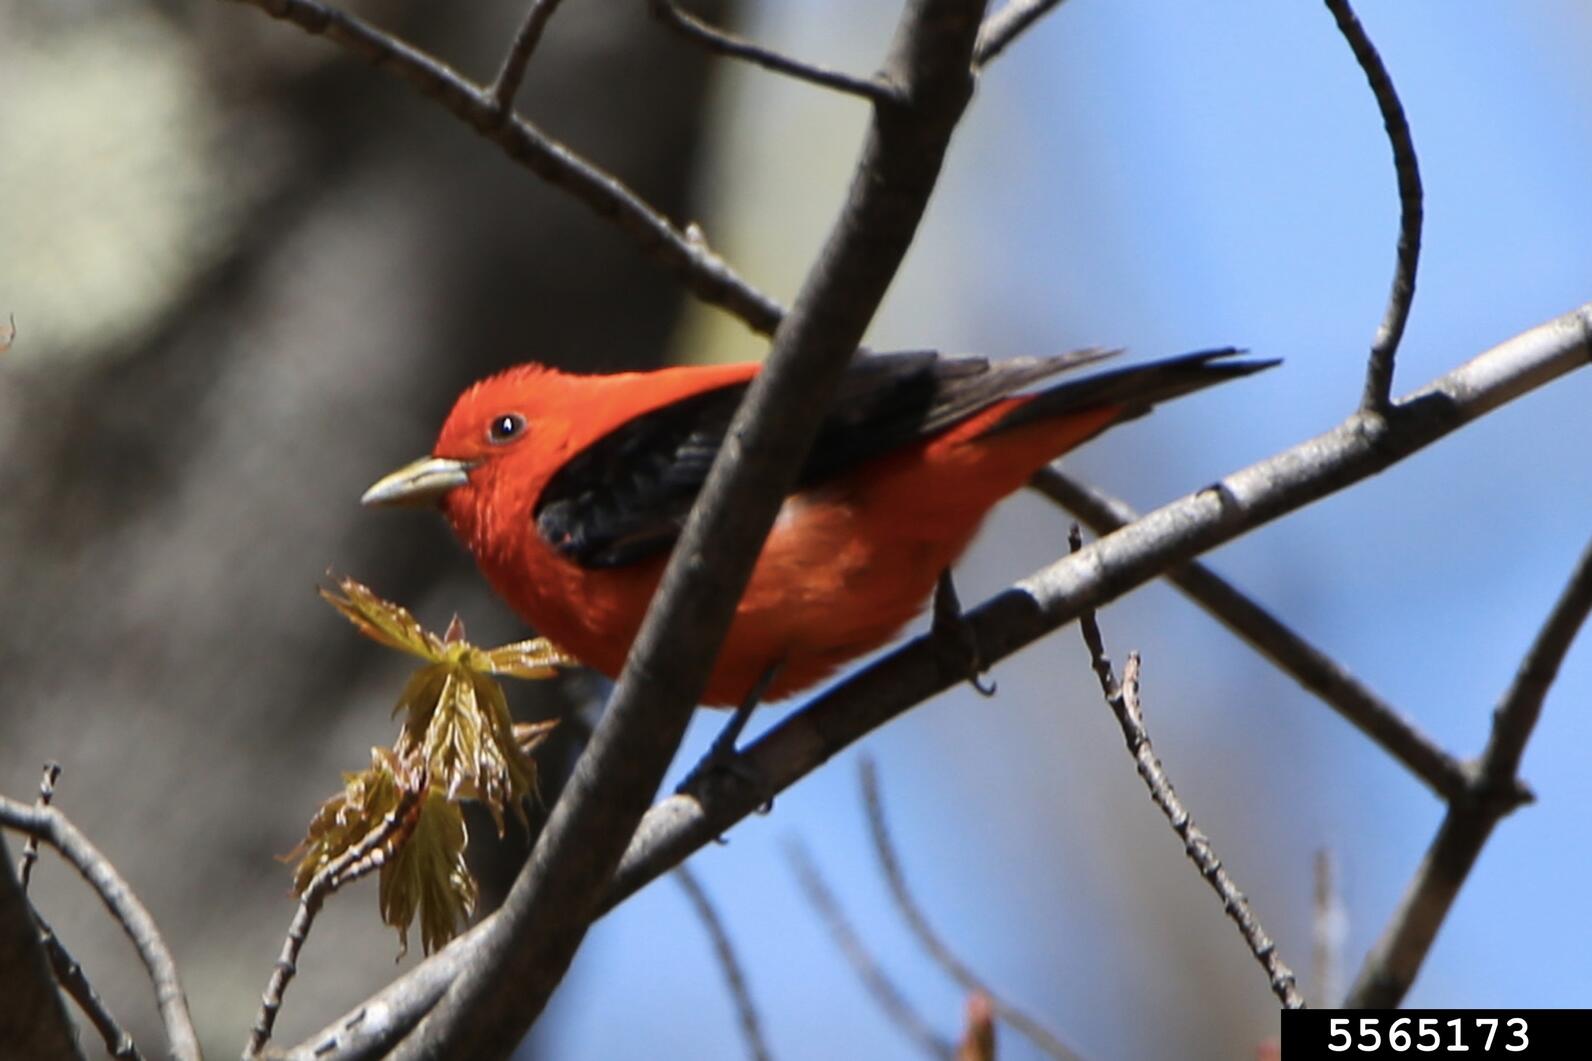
626	497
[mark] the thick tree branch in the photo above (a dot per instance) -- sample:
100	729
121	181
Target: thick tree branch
1296	657
52	827
33	1021
1379	370
1393	963
489	1007
688	258
929	939
1172	535
720	42
891	1001
1006	25
729	964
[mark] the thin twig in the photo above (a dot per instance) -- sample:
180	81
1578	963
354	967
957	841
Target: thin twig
689	259
53	827
69	974
355	862
1329	930
1168	537
1393	963
724	951
873	977
875	90
1123	700
1292	654
30	847
942	954
1005	26
512	73
1379	371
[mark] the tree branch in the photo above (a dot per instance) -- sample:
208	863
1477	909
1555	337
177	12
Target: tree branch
690	260
1006	25
942	954
1123	699
69	974
724	951
33	1021
1393	963
355	862
507	83
1106	569
1292	654
51	826
720	42
873	977
545	916
1329	927
1379	370
30	848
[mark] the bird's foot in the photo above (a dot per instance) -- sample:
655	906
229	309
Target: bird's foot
952	627
724	762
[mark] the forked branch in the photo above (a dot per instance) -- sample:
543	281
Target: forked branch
53	828
1390	968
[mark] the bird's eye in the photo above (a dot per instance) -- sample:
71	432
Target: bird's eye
505	428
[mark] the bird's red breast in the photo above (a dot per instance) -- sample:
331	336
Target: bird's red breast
569	490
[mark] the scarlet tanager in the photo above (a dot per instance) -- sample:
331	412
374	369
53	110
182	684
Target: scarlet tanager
570	490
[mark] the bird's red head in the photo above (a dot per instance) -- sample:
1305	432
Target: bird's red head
504	438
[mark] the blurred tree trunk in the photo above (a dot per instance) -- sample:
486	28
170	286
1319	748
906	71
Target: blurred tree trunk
307	263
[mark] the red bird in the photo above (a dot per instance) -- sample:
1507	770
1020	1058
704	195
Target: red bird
570	491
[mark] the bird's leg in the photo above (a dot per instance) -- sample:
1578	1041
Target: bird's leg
721	755
950	624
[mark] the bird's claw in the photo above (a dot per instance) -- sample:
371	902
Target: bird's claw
952	626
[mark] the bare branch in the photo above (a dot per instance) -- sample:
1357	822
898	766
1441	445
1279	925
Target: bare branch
1379	372
357	861
875	90
1123	699
724	951
30	848
690	260
1296	657
1393	963
52	827
69	974
546	914
1109	568
33	1020
942	954
507	83
873	977
1006	25
1329	930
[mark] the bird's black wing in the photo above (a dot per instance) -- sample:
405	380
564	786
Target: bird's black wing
626	497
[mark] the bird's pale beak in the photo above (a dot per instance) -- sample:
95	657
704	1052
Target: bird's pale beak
420	484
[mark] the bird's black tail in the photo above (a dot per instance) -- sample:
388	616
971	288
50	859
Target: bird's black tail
1137	388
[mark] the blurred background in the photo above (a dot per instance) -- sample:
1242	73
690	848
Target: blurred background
249	275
